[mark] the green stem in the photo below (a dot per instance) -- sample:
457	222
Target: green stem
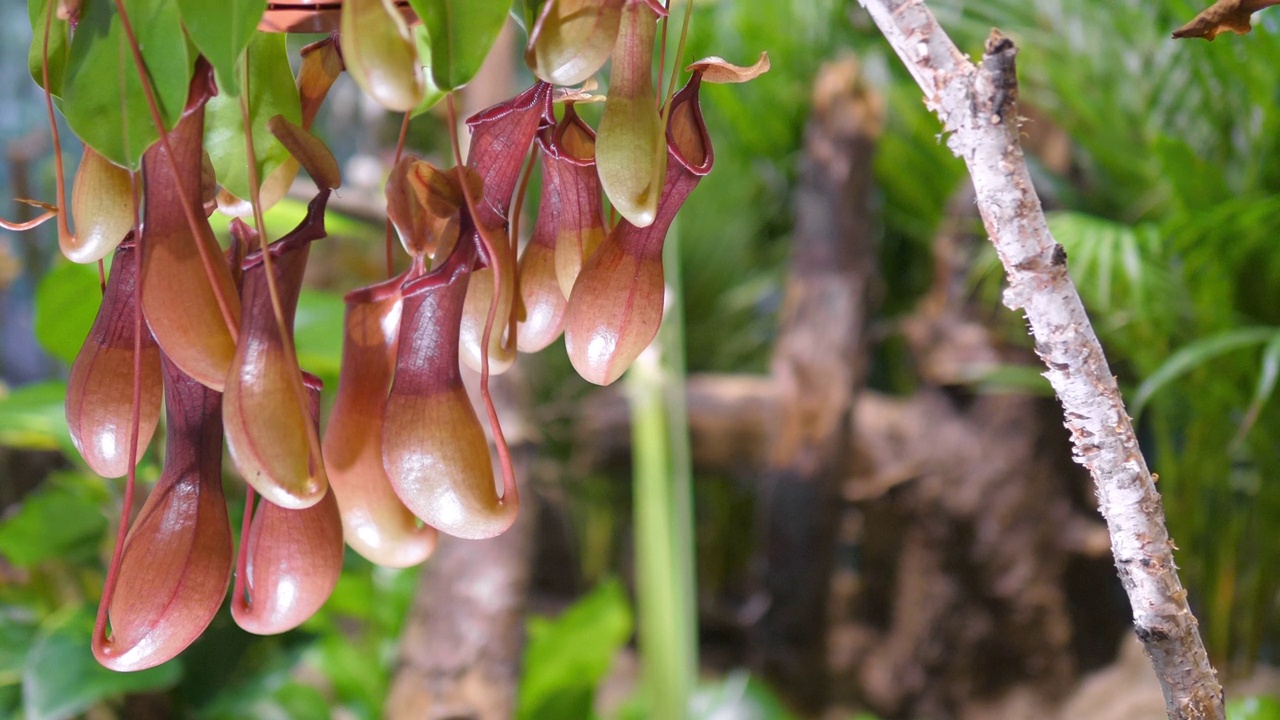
676	61
674	359
664	515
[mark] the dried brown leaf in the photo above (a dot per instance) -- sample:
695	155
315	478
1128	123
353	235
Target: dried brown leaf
309	150
719	70
1233	15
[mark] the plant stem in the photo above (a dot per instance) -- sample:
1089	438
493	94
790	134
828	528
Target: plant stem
674	359
390	237
676	61
663	510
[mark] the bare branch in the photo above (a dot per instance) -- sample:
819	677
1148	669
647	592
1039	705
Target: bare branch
978	107
1224	15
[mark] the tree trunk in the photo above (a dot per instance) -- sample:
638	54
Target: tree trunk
817	366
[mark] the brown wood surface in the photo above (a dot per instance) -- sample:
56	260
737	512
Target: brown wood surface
818	364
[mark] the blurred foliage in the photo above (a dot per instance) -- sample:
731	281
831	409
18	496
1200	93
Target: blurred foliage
734	228
1169	213
567	657
1254	708
737	696
67	300
319	347
60	519
1172	193
33	417
61	680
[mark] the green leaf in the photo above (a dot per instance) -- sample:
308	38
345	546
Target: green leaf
566	657
17	631
285	215
11	701
1195	354
1258	707
221	31
319	346
1012	378
430	93
272	91
33	417
738	696
103	99
1268	374
462	32
356	679
61	519
67	301
525	12
252	669
59	46
297	700
63	680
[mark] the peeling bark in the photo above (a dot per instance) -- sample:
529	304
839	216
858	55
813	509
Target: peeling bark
977	105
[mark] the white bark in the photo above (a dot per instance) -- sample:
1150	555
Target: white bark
977	105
